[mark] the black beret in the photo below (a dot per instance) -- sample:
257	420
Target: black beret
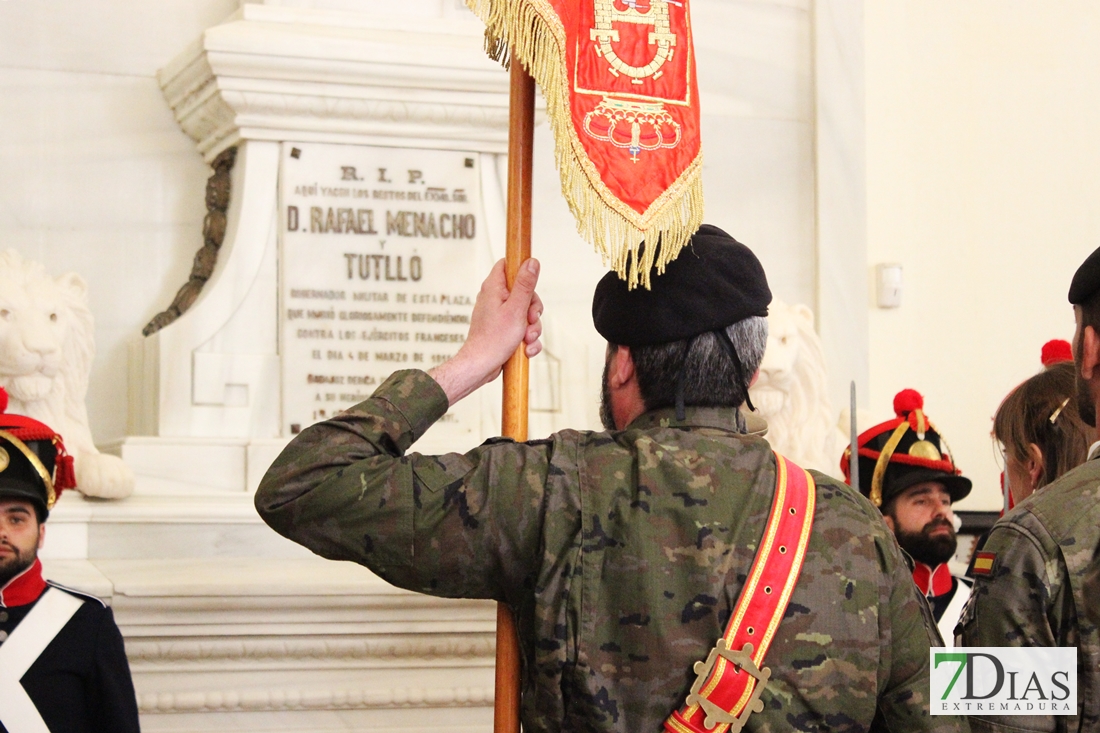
1086	281
34	465
716	281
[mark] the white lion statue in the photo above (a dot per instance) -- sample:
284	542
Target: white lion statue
791	392
46	350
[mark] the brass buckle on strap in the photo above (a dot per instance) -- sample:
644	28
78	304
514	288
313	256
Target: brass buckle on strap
715	715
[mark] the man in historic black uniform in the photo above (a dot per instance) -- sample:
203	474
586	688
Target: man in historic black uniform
906	470
63	667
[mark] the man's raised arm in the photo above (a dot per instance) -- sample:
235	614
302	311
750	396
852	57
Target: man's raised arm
304	495
501	321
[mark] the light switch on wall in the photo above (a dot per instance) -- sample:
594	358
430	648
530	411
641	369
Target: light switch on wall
889	284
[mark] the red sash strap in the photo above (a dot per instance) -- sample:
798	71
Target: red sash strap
730	681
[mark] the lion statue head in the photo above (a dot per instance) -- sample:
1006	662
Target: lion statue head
791	392
46	351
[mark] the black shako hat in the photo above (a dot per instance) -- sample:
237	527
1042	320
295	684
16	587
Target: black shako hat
899	453
1086	281
715	282
34	466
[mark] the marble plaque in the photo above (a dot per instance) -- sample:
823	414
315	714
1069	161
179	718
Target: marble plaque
377	273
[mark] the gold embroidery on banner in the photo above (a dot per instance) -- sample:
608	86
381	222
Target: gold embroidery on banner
662	131
650	127
661	36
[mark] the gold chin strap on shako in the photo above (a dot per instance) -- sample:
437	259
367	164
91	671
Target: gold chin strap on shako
51	495
884	460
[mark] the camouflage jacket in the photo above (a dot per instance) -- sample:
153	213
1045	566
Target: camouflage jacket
621	554
1034	593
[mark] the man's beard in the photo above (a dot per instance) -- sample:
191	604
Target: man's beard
12	565
606	418
1086	408
926	548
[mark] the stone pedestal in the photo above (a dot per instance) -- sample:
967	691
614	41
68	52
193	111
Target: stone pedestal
219	642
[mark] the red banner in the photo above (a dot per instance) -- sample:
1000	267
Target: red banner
619	81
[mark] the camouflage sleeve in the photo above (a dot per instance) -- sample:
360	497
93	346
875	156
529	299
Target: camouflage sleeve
456	525
1016	604
910	631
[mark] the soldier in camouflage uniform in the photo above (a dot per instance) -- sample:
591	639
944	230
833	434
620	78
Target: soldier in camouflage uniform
621	553
1030	575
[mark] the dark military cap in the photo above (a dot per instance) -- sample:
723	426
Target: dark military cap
33	464
899	453
715	282
1086	281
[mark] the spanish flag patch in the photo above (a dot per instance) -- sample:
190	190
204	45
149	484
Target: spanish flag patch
983	563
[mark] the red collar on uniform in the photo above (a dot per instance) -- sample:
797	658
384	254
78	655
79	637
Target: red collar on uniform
931	582
23	588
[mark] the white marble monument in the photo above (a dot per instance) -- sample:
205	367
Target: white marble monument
227	625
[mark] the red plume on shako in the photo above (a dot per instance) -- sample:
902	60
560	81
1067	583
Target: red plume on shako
33	462
906	401
1056	351
904	451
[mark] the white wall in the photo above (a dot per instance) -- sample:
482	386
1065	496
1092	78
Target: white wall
982	176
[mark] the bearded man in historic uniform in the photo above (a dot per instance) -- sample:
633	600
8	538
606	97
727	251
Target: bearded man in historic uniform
906	469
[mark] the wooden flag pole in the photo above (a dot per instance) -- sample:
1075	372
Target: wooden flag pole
853	444
521	126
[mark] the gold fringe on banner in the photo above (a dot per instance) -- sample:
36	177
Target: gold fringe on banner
529	30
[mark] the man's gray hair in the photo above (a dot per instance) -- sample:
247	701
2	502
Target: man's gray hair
710	378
